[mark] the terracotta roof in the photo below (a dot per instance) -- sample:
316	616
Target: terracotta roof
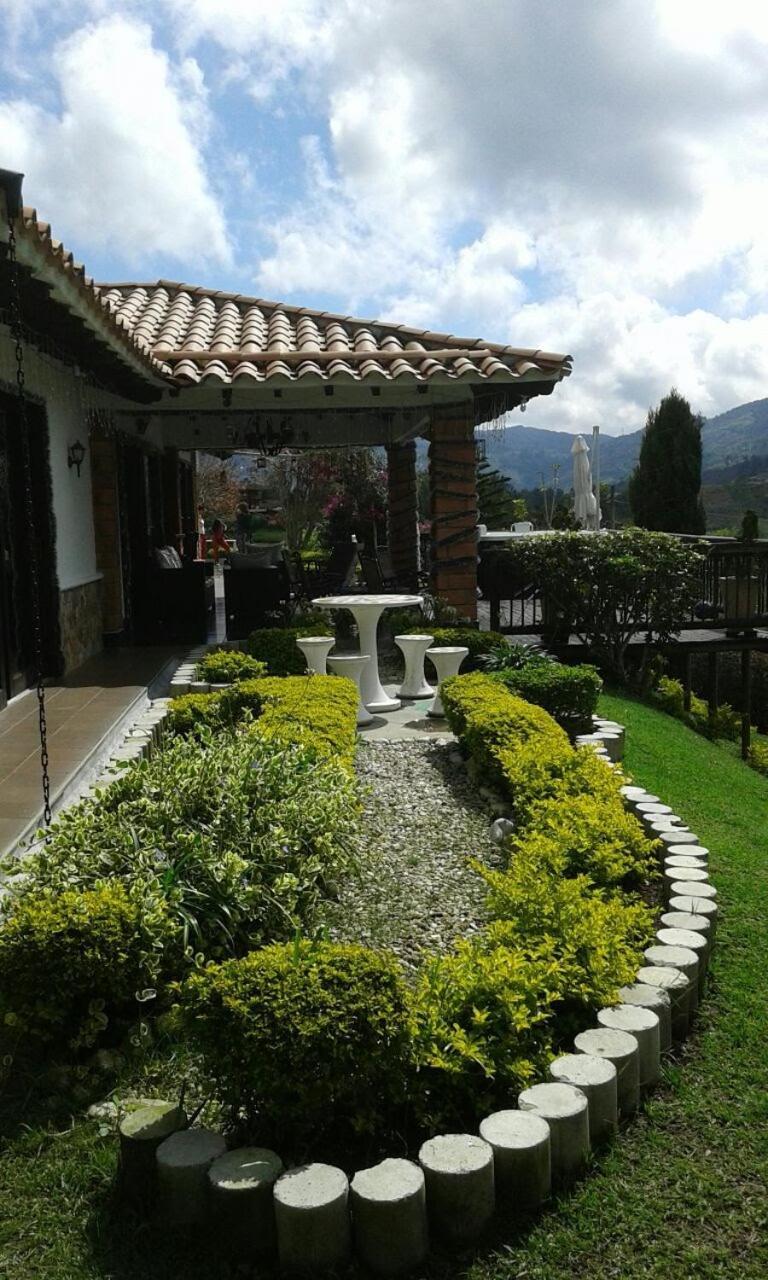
186	334
204	335
36	235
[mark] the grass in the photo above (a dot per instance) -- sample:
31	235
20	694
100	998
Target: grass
683	1192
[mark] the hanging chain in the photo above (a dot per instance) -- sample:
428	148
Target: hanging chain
34	576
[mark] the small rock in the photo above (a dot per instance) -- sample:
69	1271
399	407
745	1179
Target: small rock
500	830
102	1111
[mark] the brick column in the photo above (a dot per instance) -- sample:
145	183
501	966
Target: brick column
106	525
453	490
402	512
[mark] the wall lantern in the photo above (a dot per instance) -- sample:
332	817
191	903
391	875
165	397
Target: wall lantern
76	455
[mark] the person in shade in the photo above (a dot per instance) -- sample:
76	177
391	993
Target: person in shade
219	544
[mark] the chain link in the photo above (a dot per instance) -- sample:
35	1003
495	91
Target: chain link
34	575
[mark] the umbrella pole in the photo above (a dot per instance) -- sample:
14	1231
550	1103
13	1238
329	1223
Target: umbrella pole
596	472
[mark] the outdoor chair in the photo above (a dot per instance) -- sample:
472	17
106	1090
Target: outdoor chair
172	601
376	580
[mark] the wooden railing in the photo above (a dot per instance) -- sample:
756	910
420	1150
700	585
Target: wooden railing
733	597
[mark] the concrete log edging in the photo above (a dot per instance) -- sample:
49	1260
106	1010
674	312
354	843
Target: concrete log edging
387	1213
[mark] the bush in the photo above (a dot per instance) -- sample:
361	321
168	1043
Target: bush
479	643
276	647
569	694
69	960
608	589
304	1035
669	695
223	666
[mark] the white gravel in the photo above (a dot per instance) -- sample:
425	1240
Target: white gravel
424	819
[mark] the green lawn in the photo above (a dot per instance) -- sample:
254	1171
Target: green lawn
681	1195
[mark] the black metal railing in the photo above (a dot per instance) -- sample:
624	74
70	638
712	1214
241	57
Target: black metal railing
733	594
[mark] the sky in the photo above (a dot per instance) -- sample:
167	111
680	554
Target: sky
582	176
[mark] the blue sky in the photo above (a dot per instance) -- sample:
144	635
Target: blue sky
589	177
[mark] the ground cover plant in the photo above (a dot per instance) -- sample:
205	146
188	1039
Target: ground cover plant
222	666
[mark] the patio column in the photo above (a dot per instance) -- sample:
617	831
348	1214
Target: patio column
453	492
106	526
402	512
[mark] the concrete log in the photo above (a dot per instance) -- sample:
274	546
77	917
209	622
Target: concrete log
458	1168
312	1219
522	1157
648	997
183	1161
596	1078
389	1217
677	987
621	1049
566	1111
644	1025
240	1191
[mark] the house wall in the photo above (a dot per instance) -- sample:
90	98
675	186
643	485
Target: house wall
67	403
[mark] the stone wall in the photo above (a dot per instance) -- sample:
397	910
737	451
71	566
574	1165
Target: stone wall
80	622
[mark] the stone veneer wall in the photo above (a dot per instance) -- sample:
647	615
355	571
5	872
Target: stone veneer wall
81	623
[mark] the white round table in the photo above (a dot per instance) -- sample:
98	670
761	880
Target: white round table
366	610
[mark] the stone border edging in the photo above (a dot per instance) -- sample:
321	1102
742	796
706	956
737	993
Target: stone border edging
386	1215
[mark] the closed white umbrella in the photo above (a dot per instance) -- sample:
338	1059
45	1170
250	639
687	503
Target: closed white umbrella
584	505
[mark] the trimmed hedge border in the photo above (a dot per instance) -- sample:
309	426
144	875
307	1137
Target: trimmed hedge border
316	1219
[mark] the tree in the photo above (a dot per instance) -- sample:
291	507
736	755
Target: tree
218	488
497	506
665	487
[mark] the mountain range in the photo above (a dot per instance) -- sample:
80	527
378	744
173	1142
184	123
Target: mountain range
728	440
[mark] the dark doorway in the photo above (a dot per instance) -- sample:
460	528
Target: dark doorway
17	545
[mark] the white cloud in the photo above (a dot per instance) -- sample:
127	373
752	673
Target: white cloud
120	163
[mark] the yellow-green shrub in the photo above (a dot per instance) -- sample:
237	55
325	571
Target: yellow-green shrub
188	712
66	958
584	834
490	721
318	711
481	1017
594	937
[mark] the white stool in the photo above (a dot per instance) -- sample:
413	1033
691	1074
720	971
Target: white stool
413	649
446	663
351	665
316	650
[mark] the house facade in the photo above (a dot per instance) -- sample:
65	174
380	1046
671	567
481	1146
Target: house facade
125	382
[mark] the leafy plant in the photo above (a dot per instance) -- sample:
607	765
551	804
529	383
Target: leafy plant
304	1035
479	643
669	695
758	757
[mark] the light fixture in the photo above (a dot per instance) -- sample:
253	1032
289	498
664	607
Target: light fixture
76	455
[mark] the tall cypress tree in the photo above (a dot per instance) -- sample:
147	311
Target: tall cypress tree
497	505
665	486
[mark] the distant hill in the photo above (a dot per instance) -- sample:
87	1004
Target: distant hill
523	453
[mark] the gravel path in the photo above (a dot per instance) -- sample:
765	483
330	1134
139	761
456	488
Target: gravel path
423	819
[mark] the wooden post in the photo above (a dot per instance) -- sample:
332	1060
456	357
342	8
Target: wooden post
687	681
402	513
453	491
713	662
746	702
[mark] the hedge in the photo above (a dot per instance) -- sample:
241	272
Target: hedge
569	693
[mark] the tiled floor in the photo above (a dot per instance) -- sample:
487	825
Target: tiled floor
82	713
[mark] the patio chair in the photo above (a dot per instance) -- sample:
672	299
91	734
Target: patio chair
373	574
251	591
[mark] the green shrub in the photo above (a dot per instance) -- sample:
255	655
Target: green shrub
69	960
222	666
669	696
568	693
481	1017
236	835
304	1035
479	643
586	834
192	711
276	646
